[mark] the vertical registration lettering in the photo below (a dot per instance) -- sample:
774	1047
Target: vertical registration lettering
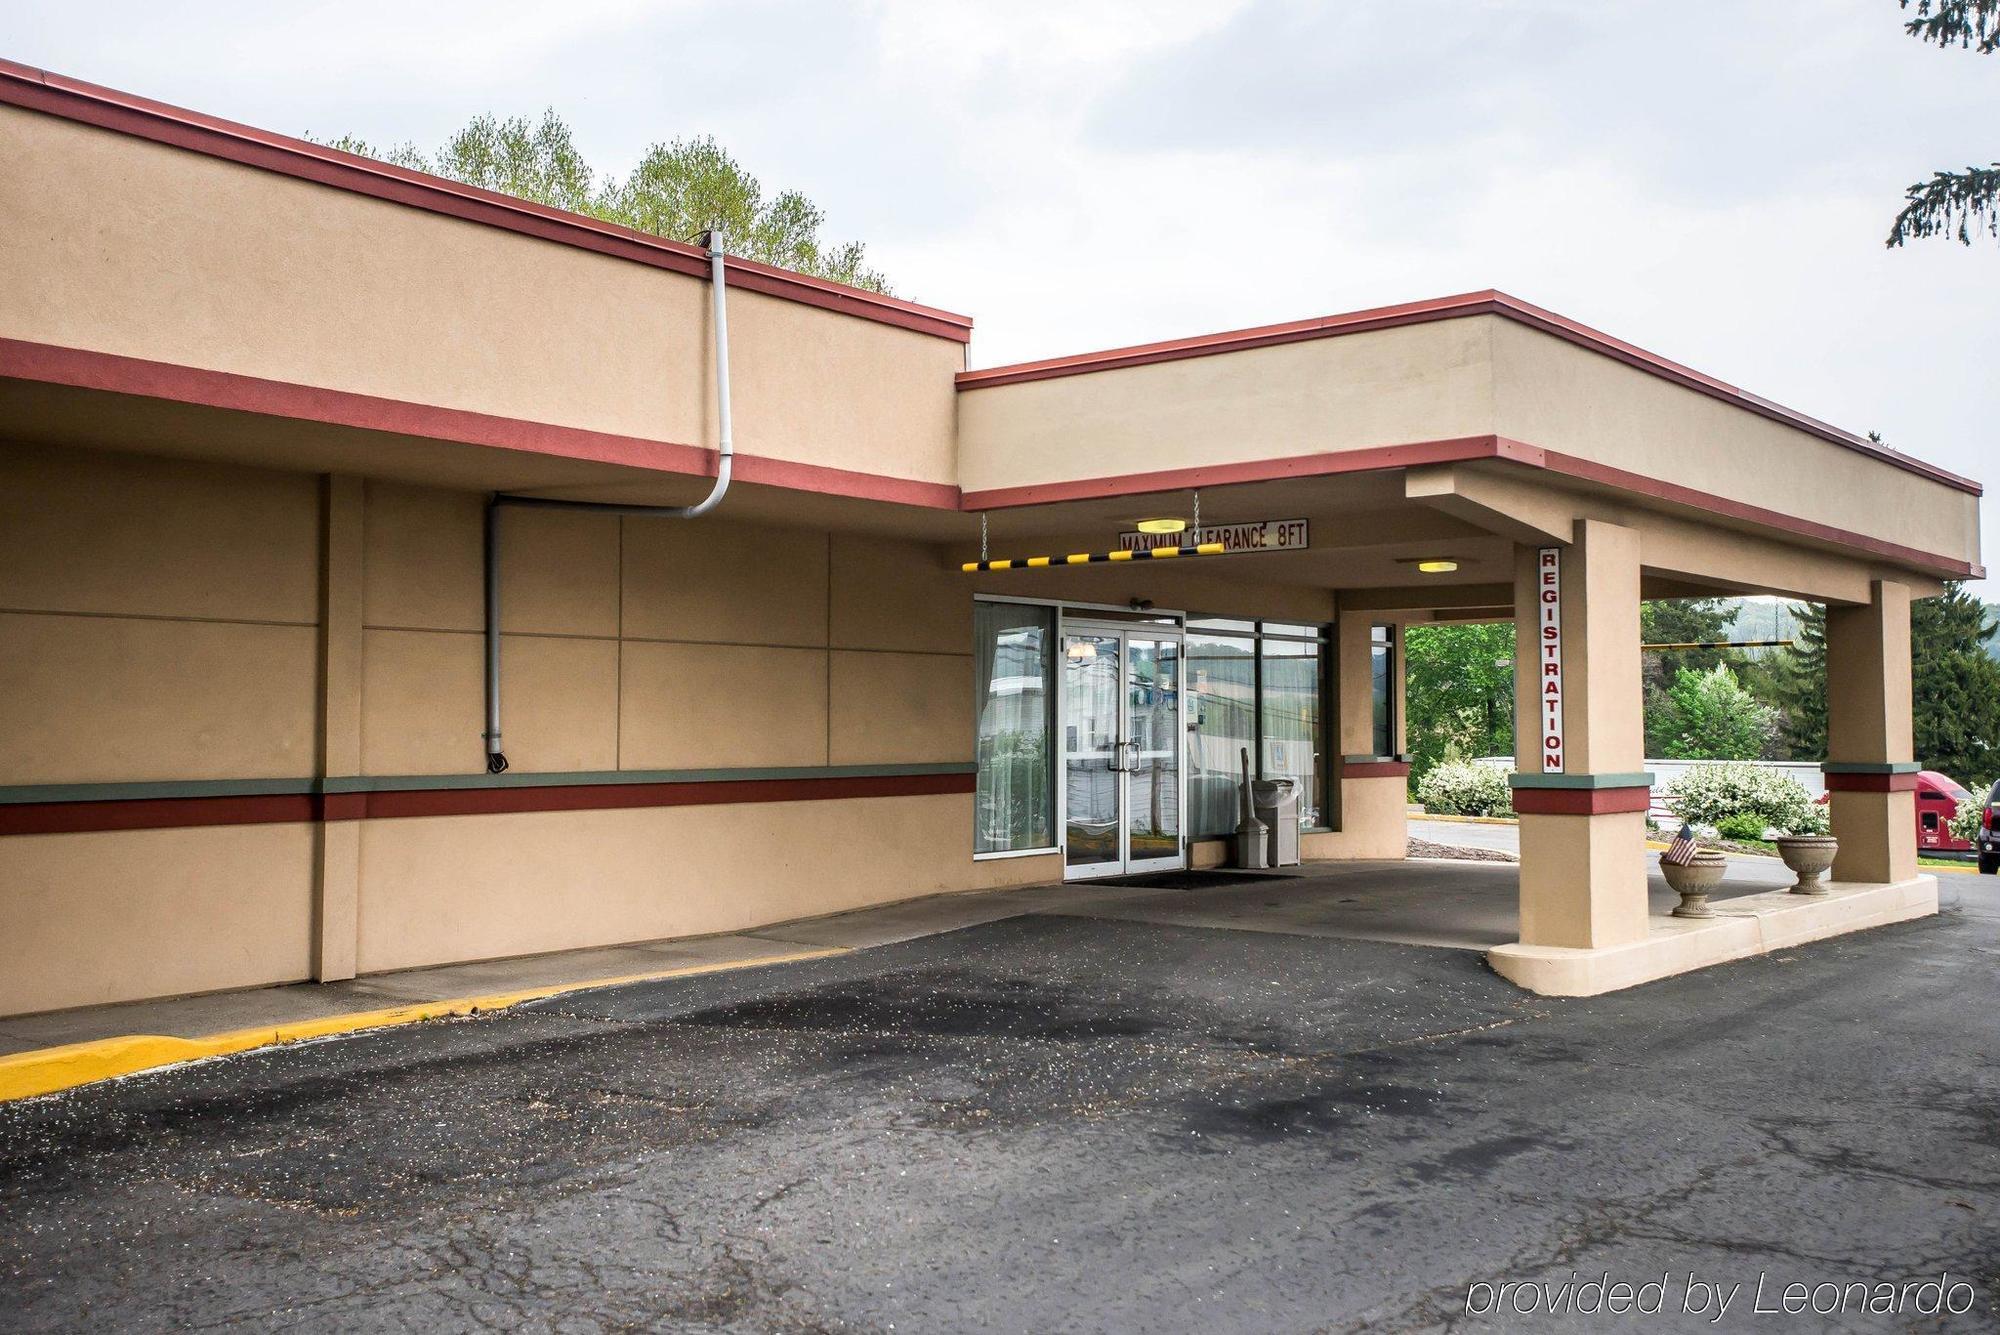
1549	654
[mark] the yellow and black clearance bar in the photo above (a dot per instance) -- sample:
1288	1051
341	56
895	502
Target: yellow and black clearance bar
1093	558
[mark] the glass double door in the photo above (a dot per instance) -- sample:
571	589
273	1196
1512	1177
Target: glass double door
1122	729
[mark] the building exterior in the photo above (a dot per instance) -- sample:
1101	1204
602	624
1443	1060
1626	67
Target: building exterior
256	394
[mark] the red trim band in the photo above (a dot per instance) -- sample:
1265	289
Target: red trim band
1838	782
297	808
81	368
1374	769
1455	450
108	109
1460	449
113	373
1581	801
1488	302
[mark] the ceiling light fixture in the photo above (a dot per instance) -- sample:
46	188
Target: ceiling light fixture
1438	567
1163	525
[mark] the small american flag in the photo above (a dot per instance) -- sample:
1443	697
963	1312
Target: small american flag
1682	850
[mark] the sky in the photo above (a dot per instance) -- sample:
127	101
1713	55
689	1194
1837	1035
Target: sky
1709	179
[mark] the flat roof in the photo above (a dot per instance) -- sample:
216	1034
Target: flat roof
1460	306
107	108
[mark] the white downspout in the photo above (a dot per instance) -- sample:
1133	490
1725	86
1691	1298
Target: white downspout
725	449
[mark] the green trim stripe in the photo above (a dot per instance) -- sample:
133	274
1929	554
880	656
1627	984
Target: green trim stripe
1870	767
387	783
1637	779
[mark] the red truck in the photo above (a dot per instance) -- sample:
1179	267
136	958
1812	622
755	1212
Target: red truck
1938	796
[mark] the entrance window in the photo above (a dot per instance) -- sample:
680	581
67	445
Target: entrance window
1222	723
1291	725
1382	687
1254	686
1013	666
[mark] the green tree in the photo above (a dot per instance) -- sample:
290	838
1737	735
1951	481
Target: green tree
1797	679
1459	692
1677	621
1709	716
1684	621
1956	685
680	188
1954	679
1953	203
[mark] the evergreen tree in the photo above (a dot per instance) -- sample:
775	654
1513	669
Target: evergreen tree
1798	685
1963	203
1956	685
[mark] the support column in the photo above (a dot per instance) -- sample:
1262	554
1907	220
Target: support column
1583	809
337	842
1871	771
1374	786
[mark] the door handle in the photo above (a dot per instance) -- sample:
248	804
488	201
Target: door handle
1132	761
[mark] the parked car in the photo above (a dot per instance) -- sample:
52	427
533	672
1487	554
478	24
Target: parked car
1938	796
1988	834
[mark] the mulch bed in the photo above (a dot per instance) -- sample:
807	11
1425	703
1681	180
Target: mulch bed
1424	848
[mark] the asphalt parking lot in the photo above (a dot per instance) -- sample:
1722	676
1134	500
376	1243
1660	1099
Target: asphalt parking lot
1049	1122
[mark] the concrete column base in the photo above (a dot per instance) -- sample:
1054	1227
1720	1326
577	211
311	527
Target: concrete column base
1583	878
1877	833
1751	925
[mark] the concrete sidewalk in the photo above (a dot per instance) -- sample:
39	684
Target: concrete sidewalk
303	1003
1441	904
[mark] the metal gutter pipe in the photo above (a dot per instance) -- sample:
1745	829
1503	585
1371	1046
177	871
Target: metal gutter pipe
496	759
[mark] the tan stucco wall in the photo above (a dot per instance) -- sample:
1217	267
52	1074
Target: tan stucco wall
1374	822
159	619
467	887
1554	394
1386	387
117	916
1472	376
742	645
120	245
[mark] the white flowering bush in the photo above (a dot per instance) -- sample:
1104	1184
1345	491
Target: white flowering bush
1965	823
1711	794
1461	788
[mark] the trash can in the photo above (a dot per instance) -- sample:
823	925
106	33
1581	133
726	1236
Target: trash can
1253	843
1277	804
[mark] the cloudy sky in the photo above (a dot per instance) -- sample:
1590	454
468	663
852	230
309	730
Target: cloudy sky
1710	179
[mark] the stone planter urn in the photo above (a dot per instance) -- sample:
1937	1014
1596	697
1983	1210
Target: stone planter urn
1809	856
1693	881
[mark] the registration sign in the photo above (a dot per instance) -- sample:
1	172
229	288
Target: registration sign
1261	535
1549	654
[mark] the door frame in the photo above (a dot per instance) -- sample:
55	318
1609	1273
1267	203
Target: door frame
1081	622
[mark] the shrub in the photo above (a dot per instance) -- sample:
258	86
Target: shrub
1965	823
1461	788
1741	825
1710	794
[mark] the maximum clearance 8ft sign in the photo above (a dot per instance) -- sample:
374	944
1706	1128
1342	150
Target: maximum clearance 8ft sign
1262	535
1549	655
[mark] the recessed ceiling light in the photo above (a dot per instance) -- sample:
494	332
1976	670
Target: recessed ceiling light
1162	525
1437	567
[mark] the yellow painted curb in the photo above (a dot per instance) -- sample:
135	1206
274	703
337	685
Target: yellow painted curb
1465	820
47	1070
